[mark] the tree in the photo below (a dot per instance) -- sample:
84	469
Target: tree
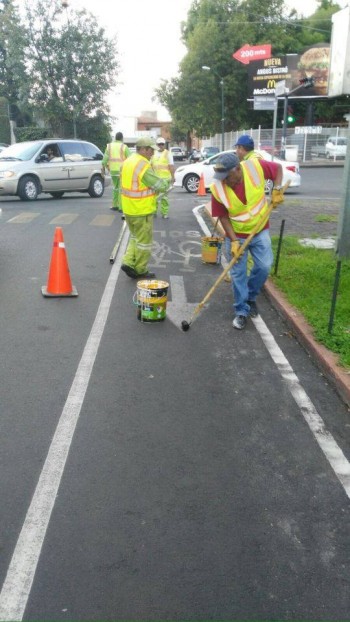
71	62
14	81
213	31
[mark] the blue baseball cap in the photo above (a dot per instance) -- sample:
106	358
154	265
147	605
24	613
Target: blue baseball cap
245	141
224	164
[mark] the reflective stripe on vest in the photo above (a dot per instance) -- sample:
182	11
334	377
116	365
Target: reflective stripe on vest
137	198
160	163
116	154
245	218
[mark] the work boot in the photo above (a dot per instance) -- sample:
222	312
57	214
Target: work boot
115	209
129	271
239	322
253	312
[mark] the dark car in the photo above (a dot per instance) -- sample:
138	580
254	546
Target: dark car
207	152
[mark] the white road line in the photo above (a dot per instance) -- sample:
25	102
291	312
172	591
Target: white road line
20	575
325	440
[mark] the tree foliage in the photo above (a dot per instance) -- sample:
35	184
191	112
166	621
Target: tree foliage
56	66
214	30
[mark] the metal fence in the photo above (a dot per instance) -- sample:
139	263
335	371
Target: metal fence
302	143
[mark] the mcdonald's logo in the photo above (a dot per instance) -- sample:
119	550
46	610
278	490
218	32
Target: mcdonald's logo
271	84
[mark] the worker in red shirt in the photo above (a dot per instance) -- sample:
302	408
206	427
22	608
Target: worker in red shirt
239	201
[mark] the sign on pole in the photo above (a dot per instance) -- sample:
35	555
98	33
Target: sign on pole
264	103
280	88
252	52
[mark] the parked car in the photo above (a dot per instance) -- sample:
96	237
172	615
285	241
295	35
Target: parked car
188	176
336	147
178	153
207	152
54	166
3	146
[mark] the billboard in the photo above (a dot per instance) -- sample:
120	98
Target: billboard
314	61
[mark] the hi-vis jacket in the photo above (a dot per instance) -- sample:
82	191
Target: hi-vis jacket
244	217
116	156
137	198
160	163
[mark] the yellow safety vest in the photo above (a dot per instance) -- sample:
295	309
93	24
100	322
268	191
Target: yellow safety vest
160	163
244	217
137	198
253	154
116	156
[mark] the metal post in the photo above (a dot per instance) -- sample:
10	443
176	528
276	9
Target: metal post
222	116
334	296
284	129
279	247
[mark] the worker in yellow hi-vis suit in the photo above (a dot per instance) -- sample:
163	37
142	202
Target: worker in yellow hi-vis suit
114	156
163	165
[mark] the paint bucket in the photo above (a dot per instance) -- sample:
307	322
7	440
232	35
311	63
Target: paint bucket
151	300
211	249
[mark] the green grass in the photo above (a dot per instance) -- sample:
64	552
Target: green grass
306	276
326	218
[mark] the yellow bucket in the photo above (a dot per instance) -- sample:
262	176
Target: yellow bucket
152	296
211	249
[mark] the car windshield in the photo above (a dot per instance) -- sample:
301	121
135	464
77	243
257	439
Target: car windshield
20	151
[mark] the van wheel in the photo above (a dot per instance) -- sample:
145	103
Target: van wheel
57	195
96	187
28	188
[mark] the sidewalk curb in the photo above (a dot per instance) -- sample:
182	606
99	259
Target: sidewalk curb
326	360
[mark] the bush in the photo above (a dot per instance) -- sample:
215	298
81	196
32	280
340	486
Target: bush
31	132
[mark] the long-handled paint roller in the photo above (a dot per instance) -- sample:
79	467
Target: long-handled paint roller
186	325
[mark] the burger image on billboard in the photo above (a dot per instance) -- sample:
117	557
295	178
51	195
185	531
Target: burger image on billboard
314	62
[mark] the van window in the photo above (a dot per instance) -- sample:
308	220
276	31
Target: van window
73	151
92	152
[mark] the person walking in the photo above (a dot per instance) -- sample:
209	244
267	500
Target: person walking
115	154
139	188
239	201
163	165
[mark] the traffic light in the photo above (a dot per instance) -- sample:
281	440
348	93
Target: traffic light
290	115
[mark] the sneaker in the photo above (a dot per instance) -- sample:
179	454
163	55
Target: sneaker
115	209
129	271
254	312
239	322
146	275
165	216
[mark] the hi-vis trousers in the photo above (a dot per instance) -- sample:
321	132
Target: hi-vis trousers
139	248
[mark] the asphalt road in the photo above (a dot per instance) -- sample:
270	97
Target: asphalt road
151	474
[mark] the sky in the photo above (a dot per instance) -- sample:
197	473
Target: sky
148	41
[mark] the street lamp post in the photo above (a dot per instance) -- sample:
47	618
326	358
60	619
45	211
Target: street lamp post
206	68
65	5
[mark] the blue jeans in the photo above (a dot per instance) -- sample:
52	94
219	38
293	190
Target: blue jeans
248	287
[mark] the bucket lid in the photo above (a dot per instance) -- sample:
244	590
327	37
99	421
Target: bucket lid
152	284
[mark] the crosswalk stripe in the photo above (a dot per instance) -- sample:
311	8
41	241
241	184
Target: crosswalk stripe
24	218
103	220
64	219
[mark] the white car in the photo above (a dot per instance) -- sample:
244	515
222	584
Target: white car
188	176
336	147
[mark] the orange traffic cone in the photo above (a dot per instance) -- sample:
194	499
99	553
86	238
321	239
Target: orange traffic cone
201	188
58	282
